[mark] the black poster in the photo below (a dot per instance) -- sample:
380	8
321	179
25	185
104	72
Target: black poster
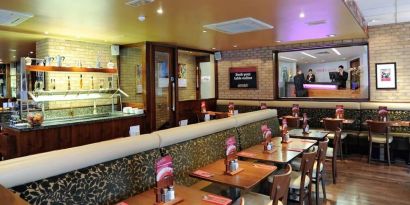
242	78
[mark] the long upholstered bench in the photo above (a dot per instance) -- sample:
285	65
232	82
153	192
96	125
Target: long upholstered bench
110	171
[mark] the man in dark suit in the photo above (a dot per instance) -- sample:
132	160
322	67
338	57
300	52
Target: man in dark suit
341	77
299	80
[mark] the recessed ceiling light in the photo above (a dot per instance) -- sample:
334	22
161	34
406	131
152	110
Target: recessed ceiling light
141	18
204	31
307	54
13	50
235	46
160	11
278	41
31	52
14	56
301	14
213	48
336	51
46	32
331	35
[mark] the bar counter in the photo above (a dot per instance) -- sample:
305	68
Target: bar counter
66	133
73	121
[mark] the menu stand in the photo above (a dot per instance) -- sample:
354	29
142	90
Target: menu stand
268	142
231	158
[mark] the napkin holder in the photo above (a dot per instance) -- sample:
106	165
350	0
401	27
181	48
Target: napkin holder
164	183
268	140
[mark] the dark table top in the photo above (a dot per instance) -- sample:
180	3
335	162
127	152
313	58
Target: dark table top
313	134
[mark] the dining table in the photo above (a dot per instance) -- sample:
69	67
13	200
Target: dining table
189	196
345	121
394	123
281	153
312	134
9	198
252	174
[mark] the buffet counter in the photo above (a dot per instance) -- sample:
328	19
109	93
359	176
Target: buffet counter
70	132
22	127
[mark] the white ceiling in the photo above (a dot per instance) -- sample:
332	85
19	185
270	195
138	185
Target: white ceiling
324	55
379	12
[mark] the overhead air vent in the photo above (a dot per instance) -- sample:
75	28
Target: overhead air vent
239	26
322	53
136	3
315	23
12	18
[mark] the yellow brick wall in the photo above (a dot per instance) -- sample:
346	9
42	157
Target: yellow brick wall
130	58
390	43
189	92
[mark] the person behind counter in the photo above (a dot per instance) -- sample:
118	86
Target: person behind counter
341	77
299	80
310	78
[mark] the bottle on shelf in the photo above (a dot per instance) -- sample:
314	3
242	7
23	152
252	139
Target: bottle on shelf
81	81
92	82
69	84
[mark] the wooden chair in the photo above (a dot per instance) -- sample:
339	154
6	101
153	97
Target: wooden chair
293	122
278	192
318	168
331	153
379	133
333	125
302	180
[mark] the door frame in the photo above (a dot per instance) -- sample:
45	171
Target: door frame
172	91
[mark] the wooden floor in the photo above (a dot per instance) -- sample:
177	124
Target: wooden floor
360	183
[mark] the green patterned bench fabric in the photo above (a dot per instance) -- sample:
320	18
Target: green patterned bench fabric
193	154
105	183
251	134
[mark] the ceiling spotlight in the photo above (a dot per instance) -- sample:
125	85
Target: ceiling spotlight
213	48
46	32
278	41
31	52
14	56
141	18
235	46
204	31
301	14
160	11
331	35
13	50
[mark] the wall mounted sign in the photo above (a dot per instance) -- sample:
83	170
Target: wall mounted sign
243	78
182	81
386	76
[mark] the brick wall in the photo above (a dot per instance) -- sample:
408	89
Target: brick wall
74	51
189	92
130	59
390	43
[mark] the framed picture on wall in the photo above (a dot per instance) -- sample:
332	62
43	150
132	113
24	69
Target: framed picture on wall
386	76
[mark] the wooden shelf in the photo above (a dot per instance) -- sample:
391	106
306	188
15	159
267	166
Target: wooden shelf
69	69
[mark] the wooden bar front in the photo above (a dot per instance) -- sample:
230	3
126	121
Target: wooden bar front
23	143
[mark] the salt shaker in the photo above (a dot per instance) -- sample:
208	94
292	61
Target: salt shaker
171	193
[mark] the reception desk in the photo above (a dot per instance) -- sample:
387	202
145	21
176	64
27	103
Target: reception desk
323	90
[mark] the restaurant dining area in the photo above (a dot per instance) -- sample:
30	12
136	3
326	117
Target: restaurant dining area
234	102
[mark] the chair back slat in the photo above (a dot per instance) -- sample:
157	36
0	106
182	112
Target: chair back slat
280	186
332	124
293	122
321	154
308	160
